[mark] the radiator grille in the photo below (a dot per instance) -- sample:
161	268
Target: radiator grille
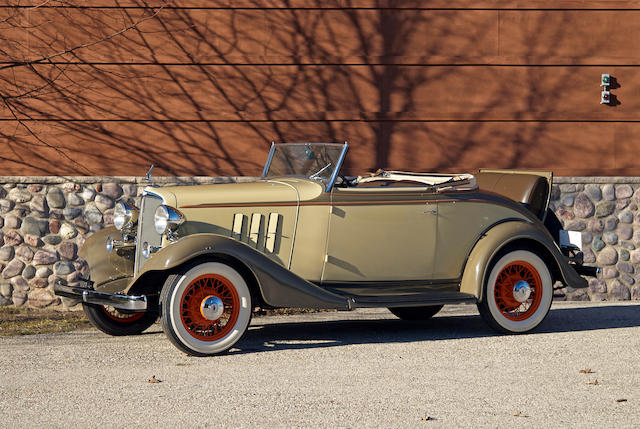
146	230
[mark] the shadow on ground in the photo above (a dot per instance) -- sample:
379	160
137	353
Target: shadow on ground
307	335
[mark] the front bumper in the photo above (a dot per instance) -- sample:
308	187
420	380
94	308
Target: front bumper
86	294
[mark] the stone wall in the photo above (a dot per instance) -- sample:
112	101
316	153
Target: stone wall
44	220
605	210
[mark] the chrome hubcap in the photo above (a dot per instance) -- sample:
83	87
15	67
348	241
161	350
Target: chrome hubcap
212	307
521	291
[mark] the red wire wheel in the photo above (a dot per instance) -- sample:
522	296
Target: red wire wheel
510	274
195	294
119	317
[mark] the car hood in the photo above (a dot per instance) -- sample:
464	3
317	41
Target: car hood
278	190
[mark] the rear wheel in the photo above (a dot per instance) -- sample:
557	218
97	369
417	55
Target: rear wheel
416	313
206	308
517	293
113	322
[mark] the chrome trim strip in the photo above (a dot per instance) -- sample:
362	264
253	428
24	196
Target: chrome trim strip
90	296
337	169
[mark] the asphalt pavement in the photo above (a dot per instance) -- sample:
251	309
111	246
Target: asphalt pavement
580	368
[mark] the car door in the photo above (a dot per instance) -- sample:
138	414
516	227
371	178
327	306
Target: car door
381	238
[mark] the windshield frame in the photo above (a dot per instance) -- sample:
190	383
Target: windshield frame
334	174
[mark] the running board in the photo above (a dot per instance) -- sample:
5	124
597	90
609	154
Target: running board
410	300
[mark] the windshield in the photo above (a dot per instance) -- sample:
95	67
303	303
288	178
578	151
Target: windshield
316	161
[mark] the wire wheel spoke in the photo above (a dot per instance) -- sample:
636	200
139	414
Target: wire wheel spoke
193	319
505	300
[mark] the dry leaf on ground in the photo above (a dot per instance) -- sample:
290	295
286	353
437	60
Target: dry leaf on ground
154	380
520	414
594	382
587	371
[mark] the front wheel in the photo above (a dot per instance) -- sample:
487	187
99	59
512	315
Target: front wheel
206	308
517	293
113	322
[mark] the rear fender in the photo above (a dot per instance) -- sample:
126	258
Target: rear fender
278	286
520	234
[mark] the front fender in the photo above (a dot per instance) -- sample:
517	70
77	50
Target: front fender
278	286
501	235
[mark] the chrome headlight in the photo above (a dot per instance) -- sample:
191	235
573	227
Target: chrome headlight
125	216
167	219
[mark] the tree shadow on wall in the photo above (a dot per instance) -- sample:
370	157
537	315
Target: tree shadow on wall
205	91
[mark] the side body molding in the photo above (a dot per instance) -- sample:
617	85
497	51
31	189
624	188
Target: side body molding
501	235
279	287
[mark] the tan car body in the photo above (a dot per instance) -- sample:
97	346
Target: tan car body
353	246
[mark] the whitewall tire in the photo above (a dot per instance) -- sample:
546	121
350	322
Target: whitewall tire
517	293
206	308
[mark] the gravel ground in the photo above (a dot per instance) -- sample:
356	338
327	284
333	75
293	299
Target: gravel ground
348	369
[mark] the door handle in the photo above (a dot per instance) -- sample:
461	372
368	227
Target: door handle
432	211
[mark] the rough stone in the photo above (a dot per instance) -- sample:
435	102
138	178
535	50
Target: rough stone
6	289
626	217
627	245
103	202
586	237
609	273
21	210
596	225
13	268
20	284
618	291
88	194
92	214
589	256
41	298
625	267
67	231
33	240
43	272
56	214
610	223
71	187
636	196
19	195
4	301
636	238
626	279
610	237
5	206
635	257
555	193
635	293
578	295
6	253
108	217
568	200
608	192
604	208
624	254
71	212
54	226
18	298
38	282
68	251
576	225
95	227
45	257
565	213
29	272
55	198
52	239
594	192
34	187
62	268
597	244
598	286
112	190
12	221
597	297
33	226
566	188
130	189
625	232
12	238
74	199
38	206
623	191
633	207
583	207
608	256
81	225
621	204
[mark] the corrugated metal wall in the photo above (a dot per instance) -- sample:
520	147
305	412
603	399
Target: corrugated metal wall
202	87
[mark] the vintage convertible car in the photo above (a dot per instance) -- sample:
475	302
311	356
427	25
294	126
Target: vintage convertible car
305	236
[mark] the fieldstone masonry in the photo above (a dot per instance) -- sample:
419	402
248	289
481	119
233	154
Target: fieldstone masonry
45	220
